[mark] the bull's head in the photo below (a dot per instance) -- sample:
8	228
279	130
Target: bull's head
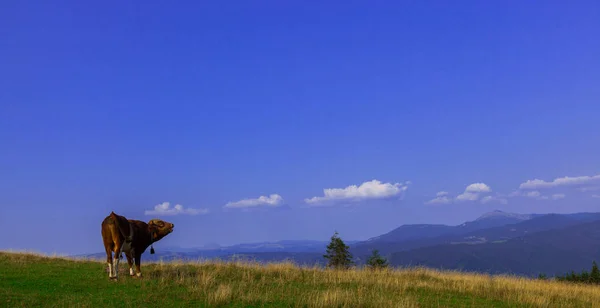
159	229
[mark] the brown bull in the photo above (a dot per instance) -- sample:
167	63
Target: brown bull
132	237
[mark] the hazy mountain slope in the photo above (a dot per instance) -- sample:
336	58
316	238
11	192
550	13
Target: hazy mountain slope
553	252
364	249
411	232
523	226
414	236
299	249
421	231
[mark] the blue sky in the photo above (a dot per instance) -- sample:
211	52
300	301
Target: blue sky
242	113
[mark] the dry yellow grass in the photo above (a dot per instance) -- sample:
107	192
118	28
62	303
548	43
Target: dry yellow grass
283	284
359	287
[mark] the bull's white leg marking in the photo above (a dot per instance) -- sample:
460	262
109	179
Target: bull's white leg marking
139	274
116	262
131	271
110	270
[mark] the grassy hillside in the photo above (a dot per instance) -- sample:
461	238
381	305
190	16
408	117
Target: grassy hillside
28	280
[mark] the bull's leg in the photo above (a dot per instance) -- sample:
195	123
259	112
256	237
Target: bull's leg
116	266
138	259
116	259
109	262
130	263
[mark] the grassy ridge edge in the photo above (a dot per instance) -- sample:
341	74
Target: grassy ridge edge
30	280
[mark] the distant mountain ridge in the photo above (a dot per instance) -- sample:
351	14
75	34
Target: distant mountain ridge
419	231
554	251
287	249
500	214
495	242
418	235
480	236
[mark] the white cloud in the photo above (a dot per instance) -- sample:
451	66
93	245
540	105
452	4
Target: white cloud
439	200
588	188
488	199
467	196
564	181
274	200
478	188
473	192
165	209
595	196
368	190
533	194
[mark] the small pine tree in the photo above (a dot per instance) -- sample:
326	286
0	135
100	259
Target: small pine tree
376	261
584	277
573	277
559	277
595	274
338	254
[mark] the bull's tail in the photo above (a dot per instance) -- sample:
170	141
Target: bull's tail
121	226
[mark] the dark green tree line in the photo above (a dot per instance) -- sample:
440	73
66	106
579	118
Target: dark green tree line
592	277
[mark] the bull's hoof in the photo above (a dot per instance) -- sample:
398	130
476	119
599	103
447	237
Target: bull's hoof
113	278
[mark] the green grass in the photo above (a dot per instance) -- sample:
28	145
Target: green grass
28	280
